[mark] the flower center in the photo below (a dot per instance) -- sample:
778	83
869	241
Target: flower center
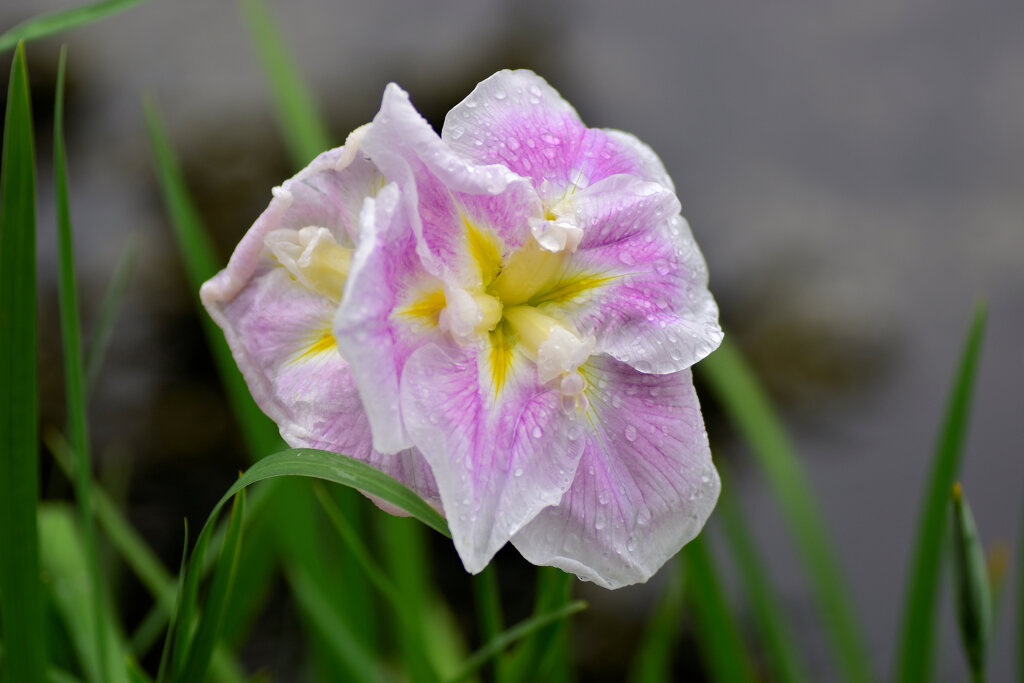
312	257
507	310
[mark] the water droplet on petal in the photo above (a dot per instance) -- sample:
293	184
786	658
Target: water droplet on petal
627	258
537	432
518	472
499	94
630	433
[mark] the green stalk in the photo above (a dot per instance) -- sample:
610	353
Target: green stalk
21	609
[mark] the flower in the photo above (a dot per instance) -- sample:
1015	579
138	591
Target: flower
522	308
276	303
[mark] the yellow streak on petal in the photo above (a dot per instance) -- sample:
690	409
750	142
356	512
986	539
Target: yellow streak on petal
484	249
503	341
324	343
426	308
568	288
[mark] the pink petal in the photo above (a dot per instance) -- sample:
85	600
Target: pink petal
442	190
498	458
516	119
649	305
645	483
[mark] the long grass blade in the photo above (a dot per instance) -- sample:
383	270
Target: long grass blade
74	379
653	660
66	562
545	653
740	394
772	624
507	638
21	609
1020	604
110	307
915	656
718	635
335	632
212	621
62	20
487	599
304	131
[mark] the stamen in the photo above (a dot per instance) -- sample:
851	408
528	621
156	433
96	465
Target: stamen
313	257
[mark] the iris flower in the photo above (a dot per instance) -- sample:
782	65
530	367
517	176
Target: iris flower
522	307
502	317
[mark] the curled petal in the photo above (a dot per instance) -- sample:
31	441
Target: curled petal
516	119
447	197
498	458
637	282
644	487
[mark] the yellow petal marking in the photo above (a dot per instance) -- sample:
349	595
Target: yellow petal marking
426	308
324	343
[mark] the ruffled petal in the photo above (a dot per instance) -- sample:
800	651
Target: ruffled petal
391	308
645	484
514	118
500	457
637	282
449	199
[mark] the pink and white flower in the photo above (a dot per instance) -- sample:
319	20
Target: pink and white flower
522	307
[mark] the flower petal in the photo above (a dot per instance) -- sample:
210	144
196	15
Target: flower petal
446	196
637	282
391	308
645	483
516	119
500	457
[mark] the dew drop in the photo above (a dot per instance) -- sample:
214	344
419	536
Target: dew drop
630	545
627	258
537	432
602	497
500	94
518	472
512	143
630	433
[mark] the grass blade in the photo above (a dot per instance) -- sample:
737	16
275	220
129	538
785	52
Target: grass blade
521	630
62	20
336	633
653	660
103	329
769	616
74	380
721	645
304	131
545	653
915	656
212	620
740	394
971	589
65	559
340	469
21	609
1020	606
488	607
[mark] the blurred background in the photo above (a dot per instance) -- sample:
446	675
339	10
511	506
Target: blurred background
854	175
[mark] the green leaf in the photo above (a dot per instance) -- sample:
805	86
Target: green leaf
21	609
74	378
65	560
212	619
406	604
62	20
970	585
717	632
917	645
521	630
653	660
768	615
338	635
340	469
304	131
260	433
545	654
110	308
740	394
